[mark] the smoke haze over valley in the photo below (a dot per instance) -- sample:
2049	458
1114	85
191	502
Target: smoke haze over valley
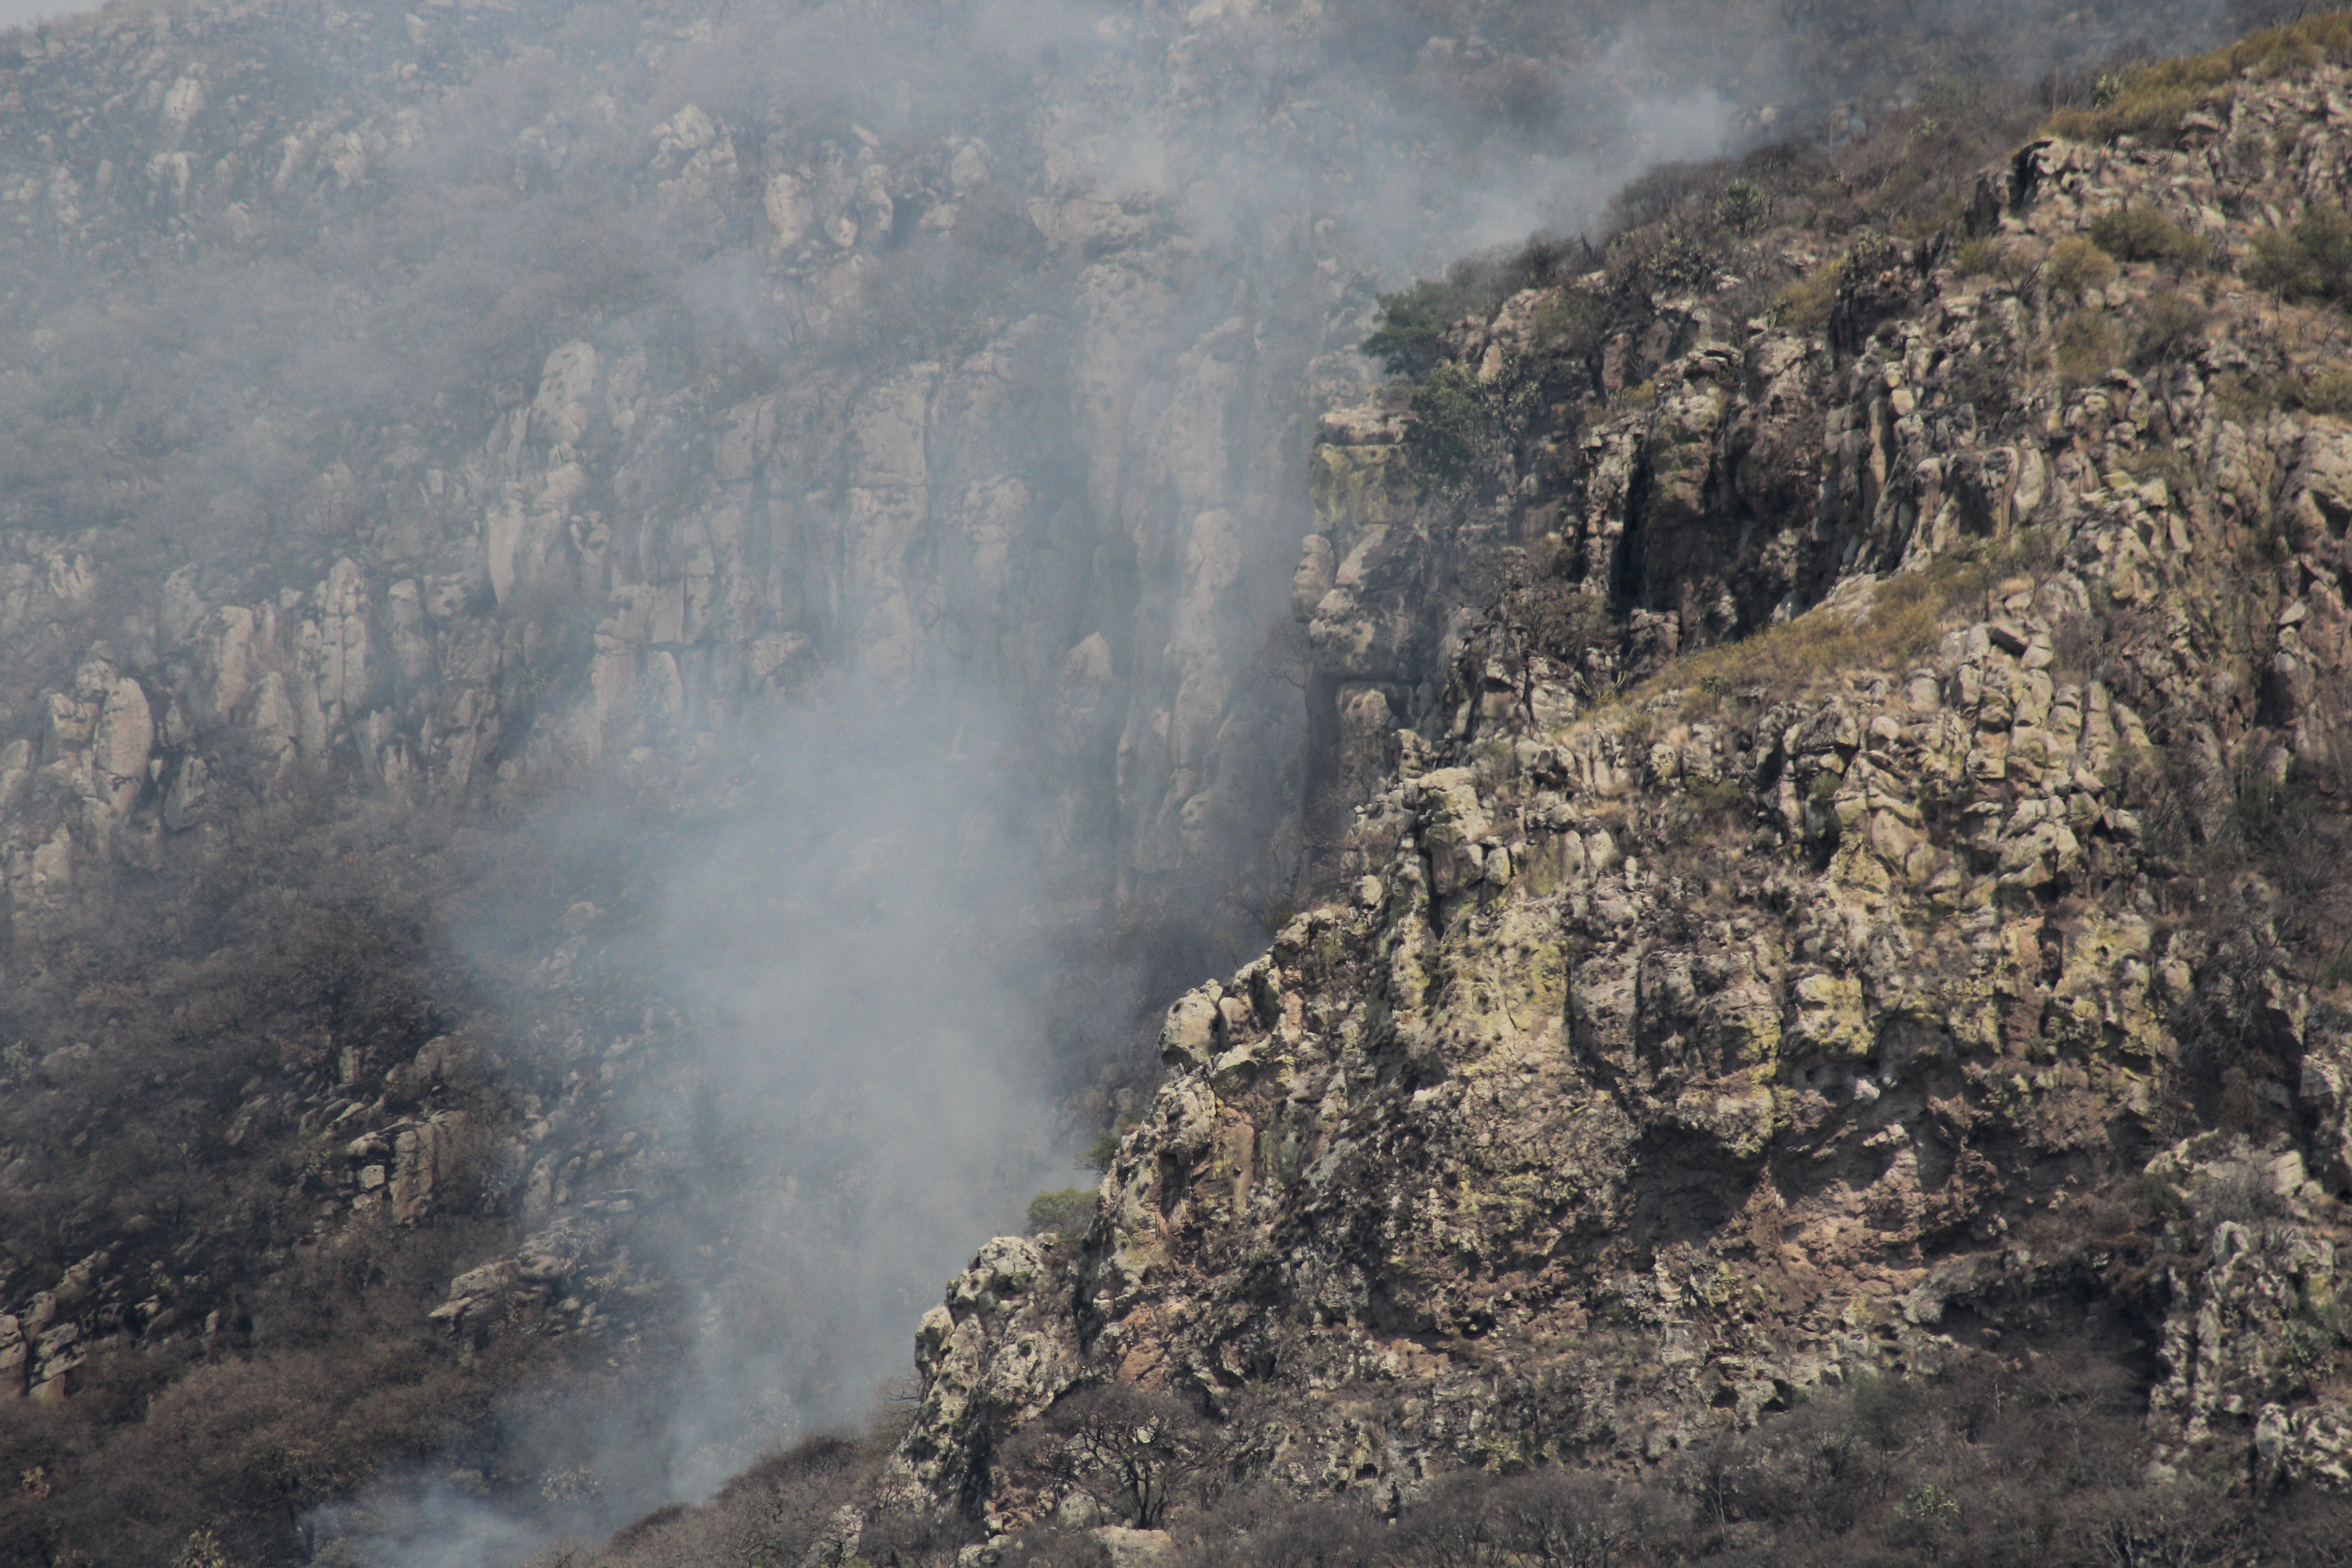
639	645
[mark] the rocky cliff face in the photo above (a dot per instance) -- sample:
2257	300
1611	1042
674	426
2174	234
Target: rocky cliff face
619	560
594	403
414	419
965	396
1853	888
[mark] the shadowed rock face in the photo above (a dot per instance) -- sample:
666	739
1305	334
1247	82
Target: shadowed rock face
1921	968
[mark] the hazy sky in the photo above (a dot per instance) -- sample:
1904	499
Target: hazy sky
17	12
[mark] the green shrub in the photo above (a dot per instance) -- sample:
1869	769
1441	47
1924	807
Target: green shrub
203	1549
2150	99
1064	1216
1105	1149
1928	1502
2306	1354
2158	1196
2161	463
1720	797
1980	257
1462	427
1569	323
1681	264
2244	398
2329	394
1987	256
2173	327
1412	321
1982	383
2076	266
1744	207
2144	233
1805	306
2088	346
2311	262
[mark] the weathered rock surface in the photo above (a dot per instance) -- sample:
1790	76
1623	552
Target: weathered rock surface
1679	1035
618	565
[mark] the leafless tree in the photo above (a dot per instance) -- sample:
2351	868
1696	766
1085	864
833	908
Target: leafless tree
1131	1450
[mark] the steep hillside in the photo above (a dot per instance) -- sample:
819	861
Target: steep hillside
1862	895
638	644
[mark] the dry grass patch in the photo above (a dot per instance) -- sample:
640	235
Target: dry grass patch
2149	100
1899	631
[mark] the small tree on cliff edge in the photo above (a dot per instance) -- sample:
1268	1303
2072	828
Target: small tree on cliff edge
1130	1450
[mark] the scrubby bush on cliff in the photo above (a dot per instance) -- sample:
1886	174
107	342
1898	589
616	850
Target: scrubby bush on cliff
2077	268
1987	1462
1735	237
1462	427
2088	345
908	1537
1061	1216
251	1355
241	1447
2310	261
2169	330
1408	339
1567	619
2144	233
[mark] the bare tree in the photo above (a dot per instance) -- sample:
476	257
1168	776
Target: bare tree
1131	1450
1565	1519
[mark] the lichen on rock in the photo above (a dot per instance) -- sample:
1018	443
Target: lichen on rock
1790	975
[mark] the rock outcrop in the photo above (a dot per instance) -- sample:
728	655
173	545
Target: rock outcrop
1834	872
